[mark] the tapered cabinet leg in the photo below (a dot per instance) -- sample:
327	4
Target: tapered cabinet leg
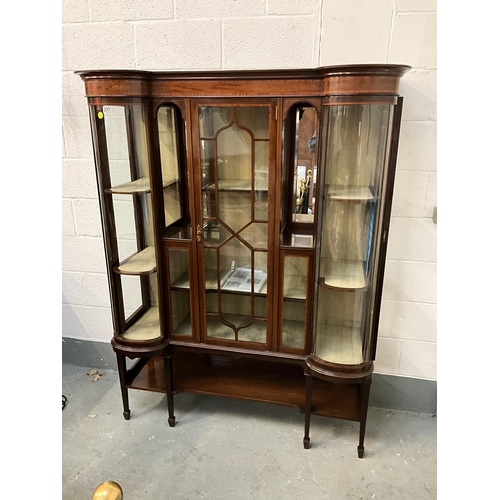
307	412
122	371
170	387
365	394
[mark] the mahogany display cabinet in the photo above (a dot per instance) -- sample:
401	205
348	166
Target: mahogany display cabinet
245	219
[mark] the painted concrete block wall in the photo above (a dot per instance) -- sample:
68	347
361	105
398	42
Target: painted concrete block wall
237	34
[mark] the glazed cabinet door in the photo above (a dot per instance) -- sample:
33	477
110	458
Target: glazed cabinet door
234	145
355	173
123	160
297	222
175	222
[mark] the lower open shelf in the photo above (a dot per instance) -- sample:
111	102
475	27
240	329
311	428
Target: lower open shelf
250	379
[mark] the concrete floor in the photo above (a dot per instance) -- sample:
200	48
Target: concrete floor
226	449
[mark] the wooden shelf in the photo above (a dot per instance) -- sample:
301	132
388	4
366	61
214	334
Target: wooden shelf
343	274
354	193
238	185
138	186
339	344
147	327
249	379
141	185
143	262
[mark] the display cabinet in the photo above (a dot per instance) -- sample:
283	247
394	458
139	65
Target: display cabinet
245	219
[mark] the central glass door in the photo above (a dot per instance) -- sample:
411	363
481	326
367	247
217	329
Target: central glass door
234	231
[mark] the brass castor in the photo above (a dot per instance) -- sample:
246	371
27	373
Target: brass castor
171	422
126	415
361	451
307	442
108	491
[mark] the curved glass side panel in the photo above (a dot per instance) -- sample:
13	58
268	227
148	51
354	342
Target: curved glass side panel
356	146
125	190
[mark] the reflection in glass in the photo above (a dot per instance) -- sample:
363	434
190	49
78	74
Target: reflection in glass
305	164
168	140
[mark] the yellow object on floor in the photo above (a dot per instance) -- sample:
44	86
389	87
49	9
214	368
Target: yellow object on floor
108	491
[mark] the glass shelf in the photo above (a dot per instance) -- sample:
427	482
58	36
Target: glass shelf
147	327
141	185
349	193
143	262
138	186
343	274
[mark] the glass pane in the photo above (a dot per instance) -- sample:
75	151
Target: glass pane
234	159
212	119
168	140
294	301
256	235
136	292
125	225
117	145
127	159
254	118
140	141
355	165
295	277
261	180
215	234
305	164
134	232
292	329
207	163
235	209
178	266
132	294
